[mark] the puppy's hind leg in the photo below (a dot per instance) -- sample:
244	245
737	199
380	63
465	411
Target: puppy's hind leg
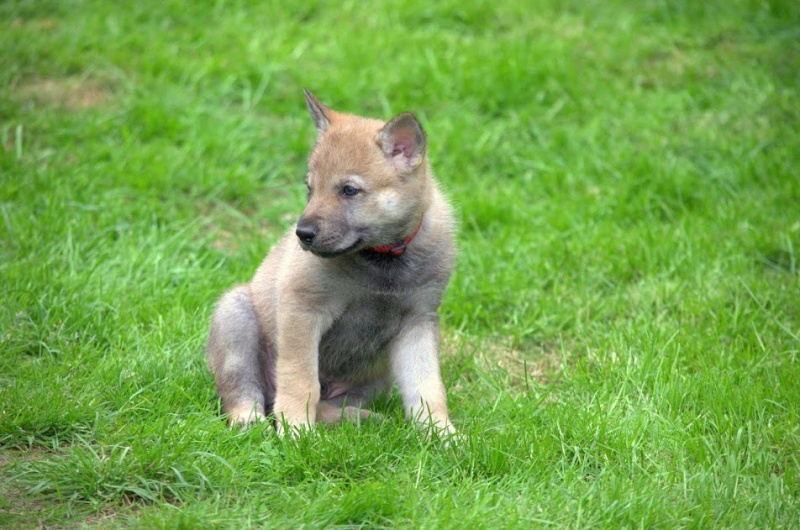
234	356
350	404
328	412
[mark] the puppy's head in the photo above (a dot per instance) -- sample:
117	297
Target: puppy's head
367	182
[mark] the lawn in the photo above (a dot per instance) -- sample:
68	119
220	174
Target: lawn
621	335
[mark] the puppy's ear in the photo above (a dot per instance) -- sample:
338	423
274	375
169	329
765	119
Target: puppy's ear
403	143
321	114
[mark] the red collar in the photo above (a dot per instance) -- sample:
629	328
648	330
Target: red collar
398	248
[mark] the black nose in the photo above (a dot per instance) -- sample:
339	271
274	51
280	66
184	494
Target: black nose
306	231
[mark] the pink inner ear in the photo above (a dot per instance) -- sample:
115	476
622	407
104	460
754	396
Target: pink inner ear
403	145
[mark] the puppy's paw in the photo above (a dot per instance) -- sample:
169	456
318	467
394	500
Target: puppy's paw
453	440
357	415
244	416
443	432
293	430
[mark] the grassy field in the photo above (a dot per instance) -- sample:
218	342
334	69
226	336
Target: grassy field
621	335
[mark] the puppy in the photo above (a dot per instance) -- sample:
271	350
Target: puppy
346	304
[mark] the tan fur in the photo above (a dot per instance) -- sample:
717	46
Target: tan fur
326	324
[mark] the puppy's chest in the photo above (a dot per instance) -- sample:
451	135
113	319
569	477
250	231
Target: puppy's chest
357	339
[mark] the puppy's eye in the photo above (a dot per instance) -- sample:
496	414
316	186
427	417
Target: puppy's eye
349	190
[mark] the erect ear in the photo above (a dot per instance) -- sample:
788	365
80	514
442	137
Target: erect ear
321	114
403	142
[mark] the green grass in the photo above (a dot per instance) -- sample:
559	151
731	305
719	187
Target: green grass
622	331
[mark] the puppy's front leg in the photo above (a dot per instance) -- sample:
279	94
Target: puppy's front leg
414	357
297	389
